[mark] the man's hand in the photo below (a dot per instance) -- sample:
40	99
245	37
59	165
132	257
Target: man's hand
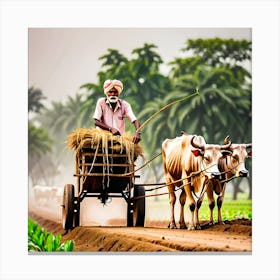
114	131
136	138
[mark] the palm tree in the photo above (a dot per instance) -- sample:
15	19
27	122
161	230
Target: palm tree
72	117
39	141
88	106
145	81
39	144
60	120
218	110
35	97
224	105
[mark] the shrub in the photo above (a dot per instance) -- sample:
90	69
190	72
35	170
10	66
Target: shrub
40	240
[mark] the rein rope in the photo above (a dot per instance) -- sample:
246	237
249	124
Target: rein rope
193	174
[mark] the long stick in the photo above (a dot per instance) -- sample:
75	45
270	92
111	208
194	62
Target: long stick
166	107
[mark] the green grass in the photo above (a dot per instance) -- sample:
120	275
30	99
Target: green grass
231	209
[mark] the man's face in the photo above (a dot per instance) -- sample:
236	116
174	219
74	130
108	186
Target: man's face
113	95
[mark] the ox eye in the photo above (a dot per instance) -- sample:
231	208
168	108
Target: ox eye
206	159
235	158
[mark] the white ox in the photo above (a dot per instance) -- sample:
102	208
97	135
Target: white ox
46	194
232	166
183	156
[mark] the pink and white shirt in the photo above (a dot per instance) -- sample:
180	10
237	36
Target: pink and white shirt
104	113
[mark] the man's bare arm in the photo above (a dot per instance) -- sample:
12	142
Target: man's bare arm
137	136
104	126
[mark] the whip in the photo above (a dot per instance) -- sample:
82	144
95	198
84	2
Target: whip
166	107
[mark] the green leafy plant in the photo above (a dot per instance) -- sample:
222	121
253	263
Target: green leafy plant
40	240
231	210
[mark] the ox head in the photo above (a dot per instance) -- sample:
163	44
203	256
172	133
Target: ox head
209	155
235	163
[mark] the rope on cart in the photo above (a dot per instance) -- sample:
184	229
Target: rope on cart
93	161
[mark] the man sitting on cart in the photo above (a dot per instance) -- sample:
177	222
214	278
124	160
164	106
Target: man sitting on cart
111	111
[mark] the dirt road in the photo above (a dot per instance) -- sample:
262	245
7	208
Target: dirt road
234	236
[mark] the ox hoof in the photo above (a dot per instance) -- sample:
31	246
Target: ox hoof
198	227
221	223
211	223
172	226
191	228
183	226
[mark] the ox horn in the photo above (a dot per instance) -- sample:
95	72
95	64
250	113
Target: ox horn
227	143
248	146
196	145
184	133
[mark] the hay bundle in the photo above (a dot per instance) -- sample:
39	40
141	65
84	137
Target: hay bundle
94	137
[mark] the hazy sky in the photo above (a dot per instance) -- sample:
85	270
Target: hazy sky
60	60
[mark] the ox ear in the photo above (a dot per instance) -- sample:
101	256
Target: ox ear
196	153
226	153
249	154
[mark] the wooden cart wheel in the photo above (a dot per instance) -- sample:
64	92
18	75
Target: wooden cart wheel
139	206
68	207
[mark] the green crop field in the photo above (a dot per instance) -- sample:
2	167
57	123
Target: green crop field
232	209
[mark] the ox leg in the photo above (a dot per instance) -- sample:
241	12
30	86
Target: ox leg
220	201
191	203
182	204
211	203
172	200
196	218
198	204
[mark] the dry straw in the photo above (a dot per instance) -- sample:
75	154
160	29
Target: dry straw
92	137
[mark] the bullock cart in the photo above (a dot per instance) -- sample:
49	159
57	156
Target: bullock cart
104	169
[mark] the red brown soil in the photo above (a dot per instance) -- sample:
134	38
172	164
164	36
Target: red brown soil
233	236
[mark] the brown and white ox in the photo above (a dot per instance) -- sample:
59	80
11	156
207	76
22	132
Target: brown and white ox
185	156
232	166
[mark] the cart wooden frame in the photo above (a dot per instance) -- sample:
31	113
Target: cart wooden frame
103	174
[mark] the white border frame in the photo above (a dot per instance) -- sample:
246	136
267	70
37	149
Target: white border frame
18	16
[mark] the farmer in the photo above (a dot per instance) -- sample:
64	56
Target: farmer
110	111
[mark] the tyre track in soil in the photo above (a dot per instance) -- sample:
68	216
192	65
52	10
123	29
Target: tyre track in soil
234	236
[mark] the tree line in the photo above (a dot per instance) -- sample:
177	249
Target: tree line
215	67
